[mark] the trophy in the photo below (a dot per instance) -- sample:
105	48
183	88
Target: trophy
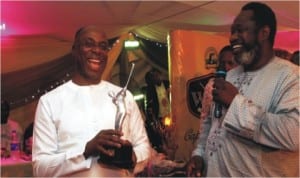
123	156
118	100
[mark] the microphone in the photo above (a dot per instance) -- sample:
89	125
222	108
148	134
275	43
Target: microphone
220	73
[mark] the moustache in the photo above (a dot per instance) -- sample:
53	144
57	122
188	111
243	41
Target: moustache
100	57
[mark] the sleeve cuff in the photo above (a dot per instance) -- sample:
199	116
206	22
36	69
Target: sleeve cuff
78	158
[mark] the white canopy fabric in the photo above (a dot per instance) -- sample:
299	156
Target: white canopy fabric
34	32
150	19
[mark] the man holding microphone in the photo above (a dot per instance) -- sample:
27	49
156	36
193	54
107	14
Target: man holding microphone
258	134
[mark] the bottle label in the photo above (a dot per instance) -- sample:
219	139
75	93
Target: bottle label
14	146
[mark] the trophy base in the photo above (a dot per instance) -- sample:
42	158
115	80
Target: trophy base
121	159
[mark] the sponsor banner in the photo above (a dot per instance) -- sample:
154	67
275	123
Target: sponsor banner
194	93
192	61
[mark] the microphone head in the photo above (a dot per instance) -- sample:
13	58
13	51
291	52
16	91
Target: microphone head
221	71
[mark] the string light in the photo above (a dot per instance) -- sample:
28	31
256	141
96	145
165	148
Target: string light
158	44
131	44
38	92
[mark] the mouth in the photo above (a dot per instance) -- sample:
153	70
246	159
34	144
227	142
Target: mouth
236	48
95	64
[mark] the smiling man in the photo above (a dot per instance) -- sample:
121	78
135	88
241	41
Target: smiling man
75	123
258	135
90	52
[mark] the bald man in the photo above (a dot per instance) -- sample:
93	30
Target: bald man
74	123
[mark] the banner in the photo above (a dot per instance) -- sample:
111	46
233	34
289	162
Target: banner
193	57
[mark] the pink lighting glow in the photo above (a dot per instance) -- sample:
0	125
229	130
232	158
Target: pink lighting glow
62	18
2	27
288	40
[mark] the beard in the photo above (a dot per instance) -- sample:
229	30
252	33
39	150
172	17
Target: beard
249	55
246	57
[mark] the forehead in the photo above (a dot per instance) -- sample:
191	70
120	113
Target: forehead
92	33
245	16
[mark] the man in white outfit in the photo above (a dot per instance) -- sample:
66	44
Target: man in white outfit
75	123
258	134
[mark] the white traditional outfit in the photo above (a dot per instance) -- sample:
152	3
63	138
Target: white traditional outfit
258	135
71	115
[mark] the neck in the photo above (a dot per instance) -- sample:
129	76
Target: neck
263	59
83	81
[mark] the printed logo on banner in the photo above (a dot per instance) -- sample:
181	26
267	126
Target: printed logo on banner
195	89
211	57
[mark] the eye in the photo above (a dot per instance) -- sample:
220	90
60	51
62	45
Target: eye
88	44
233	29
238	30
104	46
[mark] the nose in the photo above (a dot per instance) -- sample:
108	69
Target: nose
233	37
98	49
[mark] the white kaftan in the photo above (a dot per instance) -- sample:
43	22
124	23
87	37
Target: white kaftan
71	115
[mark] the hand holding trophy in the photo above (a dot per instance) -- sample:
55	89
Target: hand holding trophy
123	156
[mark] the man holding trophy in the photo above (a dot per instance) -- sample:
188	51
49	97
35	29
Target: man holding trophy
88	127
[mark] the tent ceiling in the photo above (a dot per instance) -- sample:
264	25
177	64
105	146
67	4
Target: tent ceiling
149	19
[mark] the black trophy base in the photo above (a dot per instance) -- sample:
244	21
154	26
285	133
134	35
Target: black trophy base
121	159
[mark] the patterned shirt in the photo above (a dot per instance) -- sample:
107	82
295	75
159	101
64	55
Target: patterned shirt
259	133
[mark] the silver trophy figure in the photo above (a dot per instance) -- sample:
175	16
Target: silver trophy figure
119	100
122	156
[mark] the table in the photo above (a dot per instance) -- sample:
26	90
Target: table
16	168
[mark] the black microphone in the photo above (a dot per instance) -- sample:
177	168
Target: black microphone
220	73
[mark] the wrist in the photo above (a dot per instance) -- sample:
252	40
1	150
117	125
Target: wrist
85	155
134	159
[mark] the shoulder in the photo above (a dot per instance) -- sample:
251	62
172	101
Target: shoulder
58	90
58	94
114	88
110	86
282	71
284	66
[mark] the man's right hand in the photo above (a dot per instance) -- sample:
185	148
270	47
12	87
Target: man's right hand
101	143
195	167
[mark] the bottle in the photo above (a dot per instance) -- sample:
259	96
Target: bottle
14	145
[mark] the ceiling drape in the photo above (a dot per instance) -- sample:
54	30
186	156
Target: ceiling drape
26	85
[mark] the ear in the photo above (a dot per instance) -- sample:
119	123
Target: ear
264	33
73	50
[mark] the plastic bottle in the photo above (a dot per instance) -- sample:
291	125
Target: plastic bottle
14	146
